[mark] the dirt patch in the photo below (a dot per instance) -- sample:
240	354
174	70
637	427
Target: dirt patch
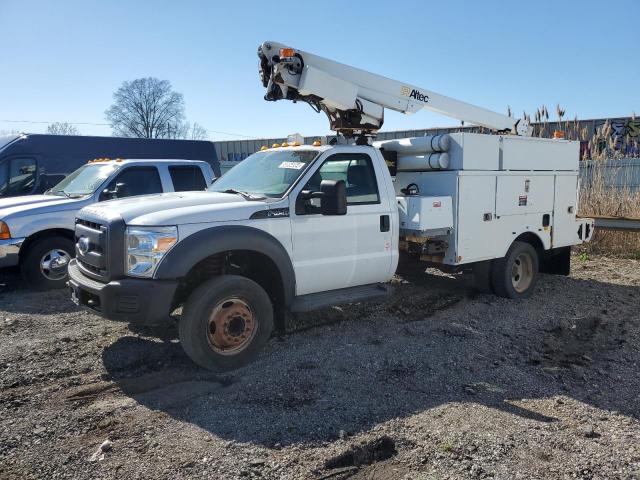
435	382
376	450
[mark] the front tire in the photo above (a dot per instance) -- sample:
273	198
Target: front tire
226	322
44	266
516	275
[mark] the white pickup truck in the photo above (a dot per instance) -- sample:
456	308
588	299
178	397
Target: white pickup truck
36	232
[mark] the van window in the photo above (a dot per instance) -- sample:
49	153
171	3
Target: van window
187	177
17	177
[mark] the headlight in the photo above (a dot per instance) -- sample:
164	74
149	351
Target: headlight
145	248
5	234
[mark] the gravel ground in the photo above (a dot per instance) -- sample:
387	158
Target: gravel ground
437	382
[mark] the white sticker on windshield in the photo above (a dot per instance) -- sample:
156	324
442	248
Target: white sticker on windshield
292	165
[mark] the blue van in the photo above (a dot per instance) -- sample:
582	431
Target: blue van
32	163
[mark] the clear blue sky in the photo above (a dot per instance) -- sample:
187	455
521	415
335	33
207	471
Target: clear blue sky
61	60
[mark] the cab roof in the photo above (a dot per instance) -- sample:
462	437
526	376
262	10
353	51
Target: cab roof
145	160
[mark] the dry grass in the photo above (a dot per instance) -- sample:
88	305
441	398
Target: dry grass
596	198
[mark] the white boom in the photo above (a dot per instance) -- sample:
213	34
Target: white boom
354	99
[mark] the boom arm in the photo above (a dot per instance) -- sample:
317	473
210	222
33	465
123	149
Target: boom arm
354	99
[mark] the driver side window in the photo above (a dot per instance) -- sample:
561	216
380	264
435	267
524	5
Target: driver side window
356	170
135	181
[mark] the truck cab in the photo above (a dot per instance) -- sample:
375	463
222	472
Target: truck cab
36	231
290	228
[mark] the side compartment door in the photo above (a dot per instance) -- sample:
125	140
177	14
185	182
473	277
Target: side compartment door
564	230
331	252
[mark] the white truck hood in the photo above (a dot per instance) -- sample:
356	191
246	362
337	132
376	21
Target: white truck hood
178	208
34	204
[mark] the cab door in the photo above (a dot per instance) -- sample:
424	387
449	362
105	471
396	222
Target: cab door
339	251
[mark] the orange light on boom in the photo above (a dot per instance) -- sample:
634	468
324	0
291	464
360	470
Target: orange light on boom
287	52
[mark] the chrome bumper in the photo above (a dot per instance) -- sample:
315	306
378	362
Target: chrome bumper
9	250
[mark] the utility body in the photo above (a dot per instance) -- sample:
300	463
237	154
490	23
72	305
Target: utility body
302	227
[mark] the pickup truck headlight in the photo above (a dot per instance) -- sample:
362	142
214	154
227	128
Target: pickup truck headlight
5	233
145	248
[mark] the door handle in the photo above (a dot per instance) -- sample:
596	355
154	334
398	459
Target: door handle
385	223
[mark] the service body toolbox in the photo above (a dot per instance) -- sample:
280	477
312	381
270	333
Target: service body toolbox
498	187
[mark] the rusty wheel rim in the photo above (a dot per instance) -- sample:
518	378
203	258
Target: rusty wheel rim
231	326
522	272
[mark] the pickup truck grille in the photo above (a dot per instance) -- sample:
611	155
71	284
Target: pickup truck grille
91	243
99	247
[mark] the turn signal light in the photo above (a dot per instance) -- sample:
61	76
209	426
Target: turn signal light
5	234
287	52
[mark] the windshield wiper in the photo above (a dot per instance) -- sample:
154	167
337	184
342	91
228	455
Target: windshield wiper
245	195
66	194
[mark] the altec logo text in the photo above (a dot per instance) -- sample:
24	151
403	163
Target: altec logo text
413	93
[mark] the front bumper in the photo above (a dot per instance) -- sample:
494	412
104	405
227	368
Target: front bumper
9	252
138	301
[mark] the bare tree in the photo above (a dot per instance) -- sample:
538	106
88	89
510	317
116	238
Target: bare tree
146	108
194	131
62	128
9	132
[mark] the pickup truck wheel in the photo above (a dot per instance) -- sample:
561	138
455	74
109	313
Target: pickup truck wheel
226	322
44	267
515	275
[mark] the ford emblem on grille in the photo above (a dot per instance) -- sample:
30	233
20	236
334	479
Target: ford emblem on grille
83	245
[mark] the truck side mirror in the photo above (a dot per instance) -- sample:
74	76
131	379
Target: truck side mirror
120	191
333	198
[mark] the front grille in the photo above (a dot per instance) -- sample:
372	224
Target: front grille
94	237
87	223
91	268
103	245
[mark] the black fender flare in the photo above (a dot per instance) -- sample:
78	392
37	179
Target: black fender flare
196	247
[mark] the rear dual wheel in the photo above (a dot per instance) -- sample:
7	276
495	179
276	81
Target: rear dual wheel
226	322
514	276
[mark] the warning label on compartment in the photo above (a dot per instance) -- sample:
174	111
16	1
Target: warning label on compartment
292	165
522	201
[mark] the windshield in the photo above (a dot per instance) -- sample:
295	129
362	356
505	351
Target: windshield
84	181
269	173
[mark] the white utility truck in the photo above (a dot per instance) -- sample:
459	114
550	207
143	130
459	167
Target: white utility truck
302	227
